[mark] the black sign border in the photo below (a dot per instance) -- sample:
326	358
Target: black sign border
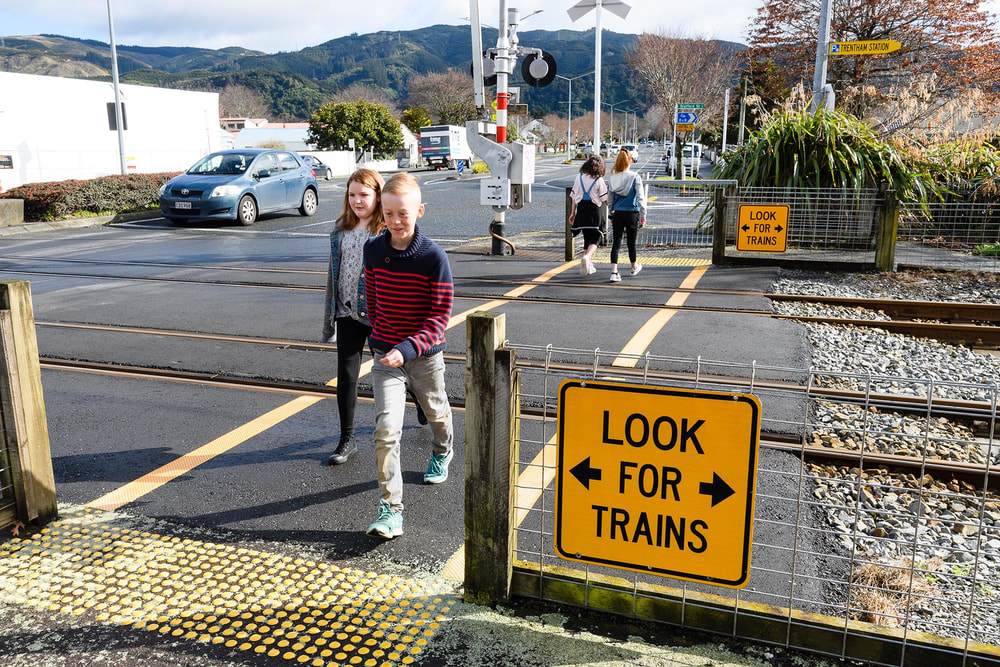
667	391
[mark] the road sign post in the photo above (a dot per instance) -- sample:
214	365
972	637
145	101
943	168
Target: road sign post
657	480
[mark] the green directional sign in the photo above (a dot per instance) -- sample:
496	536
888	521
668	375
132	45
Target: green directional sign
688	105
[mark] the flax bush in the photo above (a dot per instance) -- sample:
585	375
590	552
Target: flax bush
826	150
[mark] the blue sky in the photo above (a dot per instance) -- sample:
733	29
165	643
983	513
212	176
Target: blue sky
271	26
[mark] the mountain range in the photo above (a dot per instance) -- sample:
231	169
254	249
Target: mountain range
294	83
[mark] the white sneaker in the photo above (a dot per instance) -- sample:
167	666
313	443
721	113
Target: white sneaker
616	277
591	269
583	266
637	269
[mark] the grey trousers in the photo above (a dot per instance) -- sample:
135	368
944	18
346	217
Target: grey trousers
425	377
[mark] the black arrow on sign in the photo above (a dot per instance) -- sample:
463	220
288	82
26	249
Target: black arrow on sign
778	228
745	228
717	488
583	472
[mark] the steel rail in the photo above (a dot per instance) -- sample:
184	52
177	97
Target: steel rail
784	442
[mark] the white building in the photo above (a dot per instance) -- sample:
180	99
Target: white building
53	129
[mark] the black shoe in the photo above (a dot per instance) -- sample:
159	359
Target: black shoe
421	417
344	450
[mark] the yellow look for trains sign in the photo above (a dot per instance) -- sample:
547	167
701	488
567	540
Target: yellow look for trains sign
762	228
657	480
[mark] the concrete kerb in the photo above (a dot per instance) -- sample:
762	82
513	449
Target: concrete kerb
72	223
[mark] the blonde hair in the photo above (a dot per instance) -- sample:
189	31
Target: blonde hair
622	162
348	219
401	184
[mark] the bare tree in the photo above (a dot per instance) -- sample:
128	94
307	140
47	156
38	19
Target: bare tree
239	101
678	69
553	130
360	91
447	96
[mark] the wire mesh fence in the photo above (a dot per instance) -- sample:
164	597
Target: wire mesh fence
678	213
950	235
877	529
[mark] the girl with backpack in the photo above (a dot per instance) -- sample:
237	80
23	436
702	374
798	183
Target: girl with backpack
628	211
588	194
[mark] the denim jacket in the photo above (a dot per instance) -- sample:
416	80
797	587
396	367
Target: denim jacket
332	276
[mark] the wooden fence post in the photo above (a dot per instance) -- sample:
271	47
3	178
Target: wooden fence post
22	408
570	254
887	228
490	457
720	204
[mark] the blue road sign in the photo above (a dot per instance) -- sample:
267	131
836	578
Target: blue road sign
461	166
686	117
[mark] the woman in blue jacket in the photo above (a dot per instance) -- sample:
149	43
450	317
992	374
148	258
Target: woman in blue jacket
628	211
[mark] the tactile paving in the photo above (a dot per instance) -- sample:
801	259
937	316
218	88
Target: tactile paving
304	611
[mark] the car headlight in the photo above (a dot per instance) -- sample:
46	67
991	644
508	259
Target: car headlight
163	189
225	191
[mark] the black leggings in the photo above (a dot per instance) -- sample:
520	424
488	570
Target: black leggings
627	222
351	339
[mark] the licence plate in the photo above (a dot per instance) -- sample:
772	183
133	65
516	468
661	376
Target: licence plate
182	204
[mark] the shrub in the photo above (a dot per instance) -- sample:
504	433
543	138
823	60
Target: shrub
106	194
825	150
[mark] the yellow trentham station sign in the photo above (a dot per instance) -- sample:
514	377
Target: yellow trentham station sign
865	48
657	480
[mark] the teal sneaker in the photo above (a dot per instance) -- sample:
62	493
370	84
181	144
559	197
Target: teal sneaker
437	469
388	524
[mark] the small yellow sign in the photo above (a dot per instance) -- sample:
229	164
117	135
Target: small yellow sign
866	48
685	127
657	480
762	228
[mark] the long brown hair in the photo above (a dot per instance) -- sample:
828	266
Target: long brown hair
622	162
348	219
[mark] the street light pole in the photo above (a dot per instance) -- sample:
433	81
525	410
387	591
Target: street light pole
822	44
114	83
569	107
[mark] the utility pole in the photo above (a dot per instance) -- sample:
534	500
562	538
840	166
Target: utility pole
822	46
114	82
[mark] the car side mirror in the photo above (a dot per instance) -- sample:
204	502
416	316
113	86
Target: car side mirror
263	173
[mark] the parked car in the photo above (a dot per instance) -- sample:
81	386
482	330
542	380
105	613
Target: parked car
240	185
320	170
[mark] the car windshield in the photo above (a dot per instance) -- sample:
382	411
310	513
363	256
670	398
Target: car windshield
222	163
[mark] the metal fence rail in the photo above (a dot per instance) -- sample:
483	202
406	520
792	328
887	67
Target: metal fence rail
950	235
850	559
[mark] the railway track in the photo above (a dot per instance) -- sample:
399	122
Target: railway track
793	444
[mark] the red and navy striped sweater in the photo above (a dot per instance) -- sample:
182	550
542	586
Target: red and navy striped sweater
409	293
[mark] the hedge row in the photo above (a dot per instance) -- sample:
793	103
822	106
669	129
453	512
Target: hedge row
107	194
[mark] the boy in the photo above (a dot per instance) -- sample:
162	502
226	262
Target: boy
410	292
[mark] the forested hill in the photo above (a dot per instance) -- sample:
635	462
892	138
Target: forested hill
293	84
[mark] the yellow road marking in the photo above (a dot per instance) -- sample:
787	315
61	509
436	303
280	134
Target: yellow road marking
527	490
151	481
645	335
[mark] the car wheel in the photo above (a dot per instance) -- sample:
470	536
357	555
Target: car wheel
329	174
246	213
310	202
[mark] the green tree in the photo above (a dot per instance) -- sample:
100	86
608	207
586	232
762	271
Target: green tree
416	118
370	125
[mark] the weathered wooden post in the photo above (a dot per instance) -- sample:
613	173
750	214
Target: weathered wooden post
720	204
22	411
568	237
886	230
490	457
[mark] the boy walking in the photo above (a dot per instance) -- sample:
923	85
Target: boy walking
409	292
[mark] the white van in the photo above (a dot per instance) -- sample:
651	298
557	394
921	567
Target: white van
692	156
